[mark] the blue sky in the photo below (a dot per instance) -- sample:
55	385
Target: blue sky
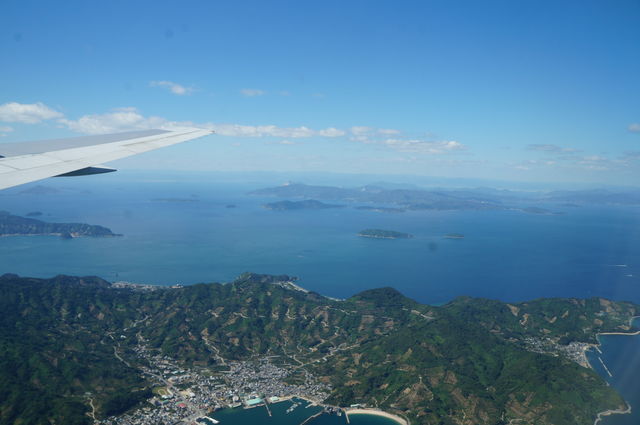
524	91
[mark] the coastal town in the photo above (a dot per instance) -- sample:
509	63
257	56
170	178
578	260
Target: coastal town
574	351
188	395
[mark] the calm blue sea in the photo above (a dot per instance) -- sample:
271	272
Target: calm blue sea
621	355
259	415
506	255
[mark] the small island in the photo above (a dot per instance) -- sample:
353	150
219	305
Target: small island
383	234
309	204
454	236
13	225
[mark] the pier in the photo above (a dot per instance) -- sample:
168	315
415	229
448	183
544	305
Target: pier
312	417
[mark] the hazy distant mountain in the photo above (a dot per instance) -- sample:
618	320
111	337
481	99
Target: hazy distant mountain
406	198
481	198
309	204
596	196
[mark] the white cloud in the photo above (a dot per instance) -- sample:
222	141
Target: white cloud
331	132
28	113
252	92
174	88
129	118
634	128
120	119
388	131
425	147
369	135
237	130
360	130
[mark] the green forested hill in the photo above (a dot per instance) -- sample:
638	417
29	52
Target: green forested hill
469	361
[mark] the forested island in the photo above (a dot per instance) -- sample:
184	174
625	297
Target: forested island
72	347
383	234
13	225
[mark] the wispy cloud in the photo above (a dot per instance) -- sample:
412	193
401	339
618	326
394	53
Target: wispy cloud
28	113
425	146
634	128
380	136
120	119
360	130
332	132
174	88
4	129
252	92
130	118
550	148
238	130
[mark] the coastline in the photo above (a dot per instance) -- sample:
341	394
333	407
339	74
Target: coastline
610	412
359	411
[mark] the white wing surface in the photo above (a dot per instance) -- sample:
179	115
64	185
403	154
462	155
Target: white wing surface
30	161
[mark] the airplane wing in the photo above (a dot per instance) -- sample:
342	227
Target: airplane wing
30	161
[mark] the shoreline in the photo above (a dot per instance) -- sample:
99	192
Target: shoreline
610	412
376	412
601	415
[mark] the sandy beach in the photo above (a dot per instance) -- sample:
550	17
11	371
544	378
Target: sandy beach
377	412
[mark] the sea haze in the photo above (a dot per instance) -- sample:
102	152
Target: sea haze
203	232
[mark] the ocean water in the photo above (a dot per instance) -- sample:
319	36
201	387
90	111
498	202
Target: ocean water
259	415
621	355
506	255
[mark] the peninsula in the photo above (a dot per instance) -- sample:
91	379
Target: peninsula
13	225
